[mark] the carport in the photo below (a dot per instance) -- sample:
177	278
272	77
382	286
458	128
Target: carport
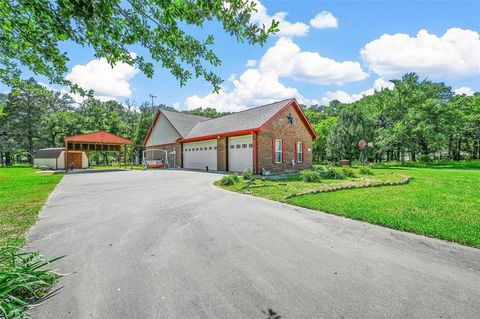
98	141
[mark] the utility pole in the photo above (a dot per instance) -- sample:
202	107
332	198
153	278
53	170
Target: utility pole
153	97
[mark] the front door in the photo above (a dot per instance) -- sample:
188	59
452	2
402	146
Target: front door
74	160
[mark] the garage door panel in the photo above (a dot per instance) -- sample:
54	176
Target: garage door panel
240	153
199	155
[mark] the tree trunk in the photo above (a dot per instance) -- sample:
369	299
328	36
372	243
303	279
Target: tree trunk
8	159
413	156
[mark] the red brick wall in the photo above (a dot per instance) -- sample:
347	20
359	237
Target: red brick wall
280	129
222	154
169	148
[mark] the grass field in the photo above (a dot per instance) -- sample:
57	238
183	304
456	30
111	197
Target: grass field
22	194
442	203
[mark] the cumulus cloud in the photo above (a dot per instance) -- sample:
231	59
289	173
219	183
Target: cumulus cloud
324	20
262	85
287	29
105	80
253	87
455	54
464	90
344	97
251	63
287	59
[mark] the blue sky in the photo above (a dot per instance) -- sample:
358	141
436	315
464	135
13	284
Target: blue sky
353	47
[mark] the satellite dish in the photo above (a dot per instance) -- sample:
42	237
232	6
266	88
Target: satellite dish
361	144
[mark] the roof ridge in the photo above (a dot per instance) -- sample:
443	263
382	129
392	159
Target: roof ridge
187	114
256	107
250	109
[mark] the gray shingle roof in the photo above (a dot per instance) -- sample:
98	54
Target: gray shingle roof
248	119
48	152
182	122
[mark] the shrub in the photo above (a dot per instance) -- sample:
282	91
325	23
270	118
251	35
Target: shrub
310	176
247	174
365	170
25	279
229	180
332	173
424	159
348	172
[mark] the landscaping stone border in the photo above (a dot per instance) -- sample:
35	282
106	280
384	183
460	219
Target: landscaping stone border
404	181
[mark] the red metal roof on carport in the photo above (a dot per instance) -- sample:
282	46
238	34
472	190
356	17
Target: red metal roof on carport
99	137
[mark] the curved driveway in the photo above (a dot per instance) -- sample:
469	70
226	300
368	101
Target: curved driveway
167	244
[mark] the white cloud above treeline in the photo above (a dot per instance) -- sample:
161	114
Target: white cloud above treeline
108	82
464	90
261	85
453	55
344	97
324	20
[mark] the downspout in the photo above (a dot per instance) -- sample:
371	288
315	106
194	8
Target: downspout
255	152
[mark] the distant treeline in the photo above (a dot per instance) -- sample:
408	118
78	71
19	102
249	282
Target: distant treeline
416	120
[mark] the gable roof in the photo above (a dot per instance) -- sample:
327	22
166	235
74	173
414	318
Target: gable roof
182	122
98	137
243	122
53	152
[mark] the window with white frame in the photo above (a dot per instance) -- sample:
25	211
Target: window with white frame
278	151
299	152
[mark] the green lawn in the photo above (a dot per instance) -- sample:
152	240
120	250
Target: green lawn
22	194
442	203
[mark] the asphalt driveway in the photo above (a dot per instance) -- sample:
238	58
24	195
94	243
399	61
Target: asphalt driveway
168	244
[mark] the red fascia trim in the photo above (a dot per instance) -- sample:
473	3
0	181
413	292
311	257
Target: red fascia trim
274	146
297	108
212	136
303	152
296	151
151	128
255	153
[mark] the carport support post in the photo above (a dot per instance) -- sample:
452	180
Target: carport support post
65	155
125	155
131	156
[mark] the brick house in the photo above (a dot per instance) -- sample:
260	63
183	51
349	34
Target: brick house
273	138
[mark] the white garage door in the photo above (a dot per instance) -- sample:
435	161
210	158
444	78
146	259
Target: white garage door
240	153
199	155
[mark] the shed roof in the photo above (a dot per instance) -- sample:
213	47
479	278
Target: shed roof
53	152
99	137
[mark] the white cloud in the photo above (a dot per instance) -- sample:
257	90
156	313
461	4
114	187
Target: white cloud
253	87
287	59
251	63
261	85
455	54
344	97
287	29
324	20
464	90
103	79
